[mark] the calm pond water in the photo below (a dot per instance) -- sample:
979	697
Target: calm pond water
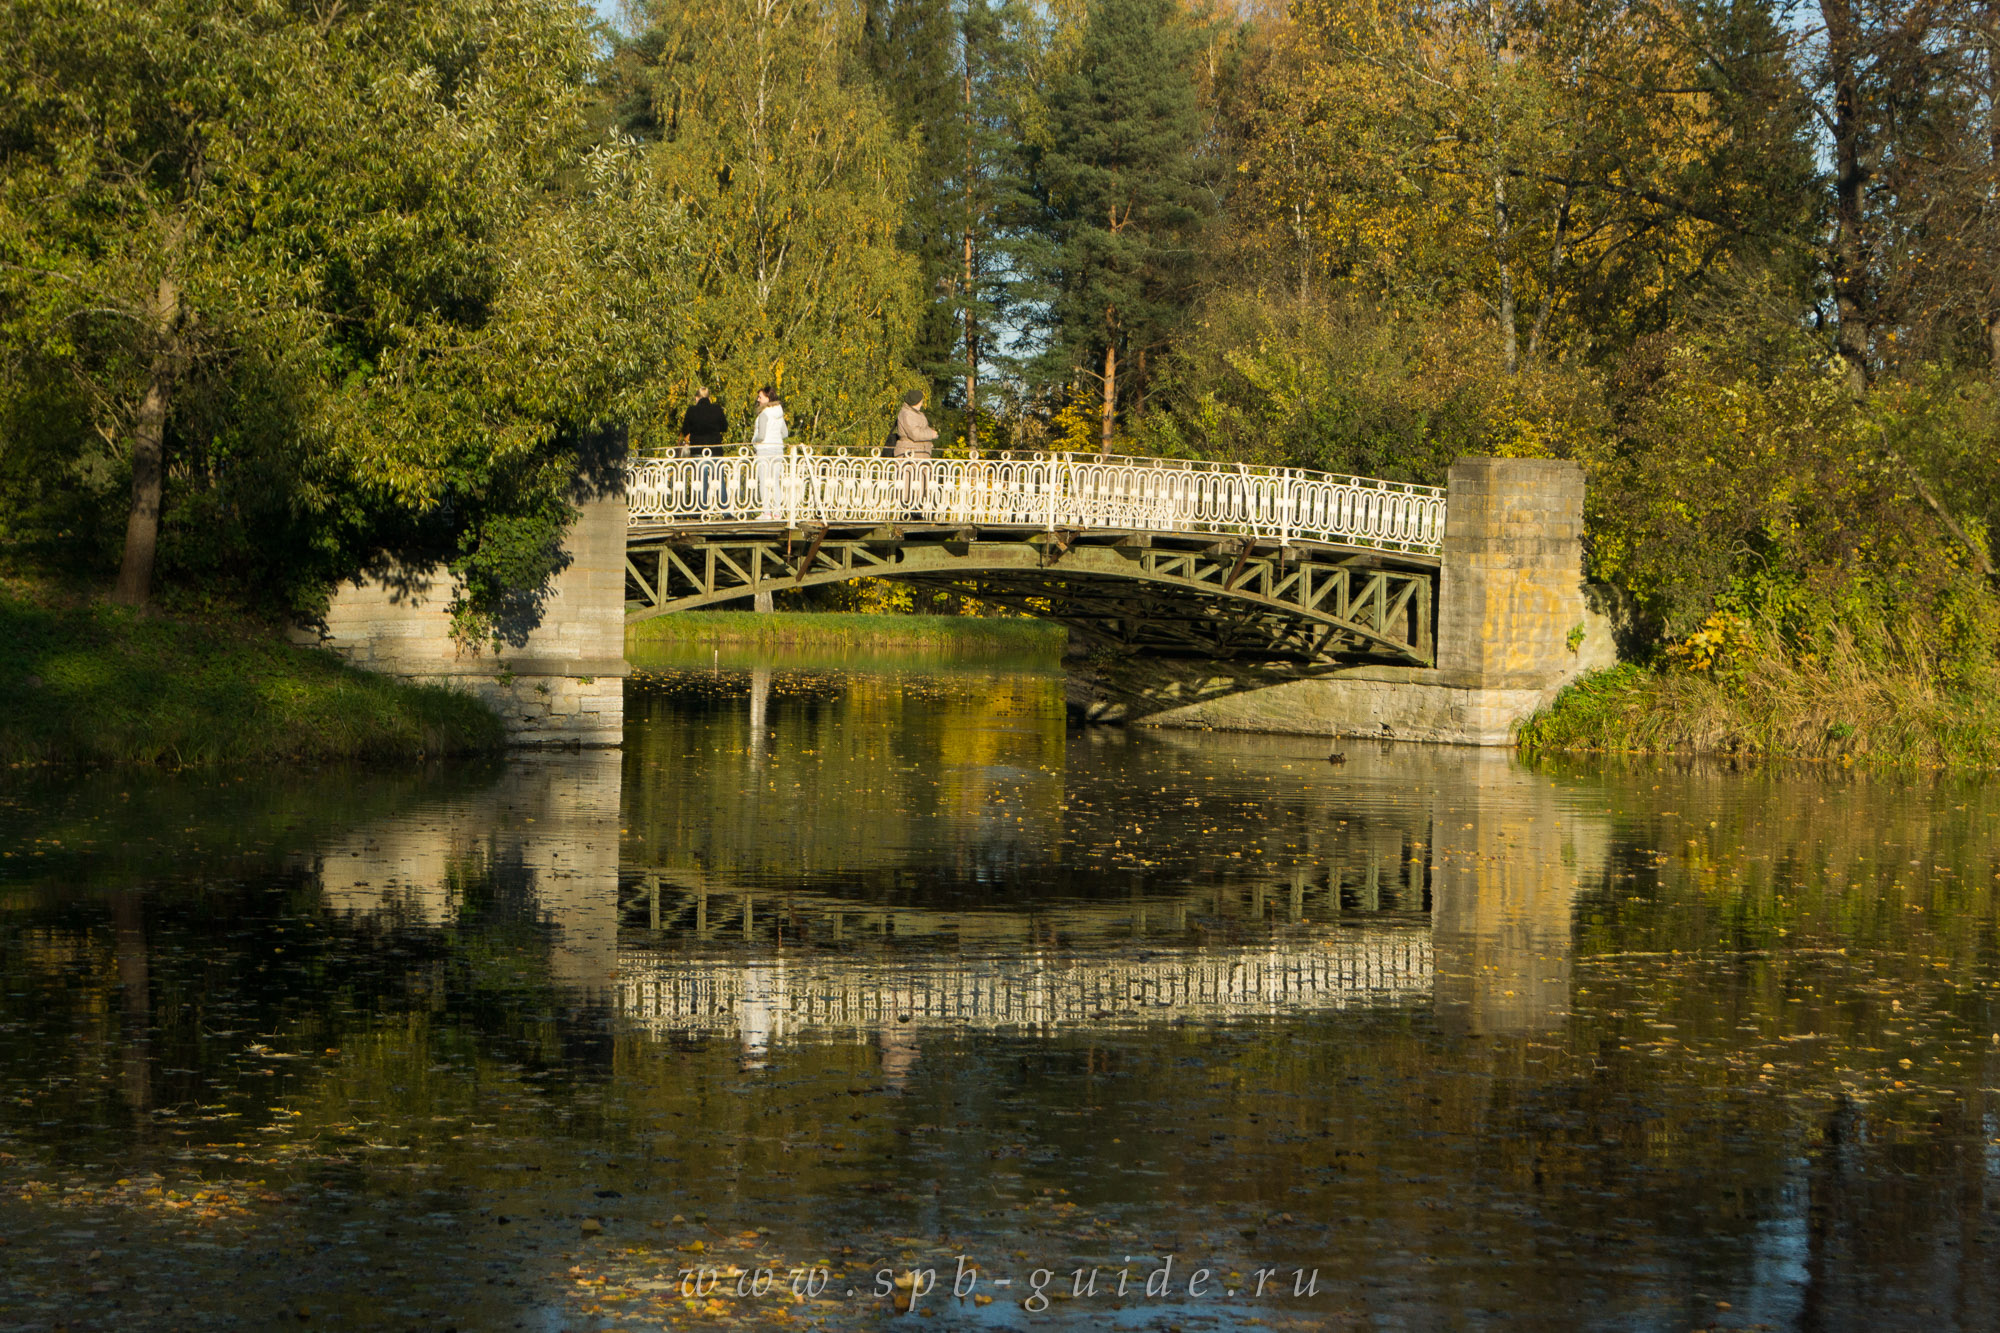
840	976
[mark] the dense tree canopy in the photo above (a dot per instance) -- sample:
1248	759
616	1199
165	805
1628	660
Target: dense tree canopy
786	175
291	287
330	283
1120	193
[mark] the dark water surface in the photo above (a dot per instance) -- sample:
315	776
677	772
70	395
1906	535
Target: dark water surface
832	972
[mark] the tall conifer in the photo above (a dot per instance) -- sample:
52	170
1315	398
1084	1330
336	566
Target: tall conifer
1120	196
790	173
949	71
911	49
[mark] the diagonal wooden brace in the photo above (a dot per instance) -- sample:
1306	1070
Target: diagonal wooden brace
812	554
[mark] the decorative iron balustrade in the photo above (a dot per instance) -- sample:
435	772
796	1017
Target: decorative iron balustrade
806	487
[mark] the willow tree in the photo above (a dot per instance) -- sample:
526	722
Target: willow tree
760	124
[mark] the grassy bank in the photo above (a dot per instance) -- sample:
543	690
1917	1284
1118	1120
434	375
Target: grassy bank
83	682
1777	707
968	635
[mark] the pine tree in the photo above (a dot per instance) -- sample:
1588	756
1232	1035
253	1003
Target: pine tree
911	49
1121	197
950	72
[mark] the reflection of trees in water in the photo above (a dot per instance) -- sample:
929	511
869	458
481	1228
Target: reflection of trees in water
129	1008
138	827
301	915
844	777
921	786
1784	938
1615	1105
538	844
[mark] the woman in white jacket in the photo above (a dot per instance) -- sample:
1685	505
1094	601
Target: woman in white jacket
767	442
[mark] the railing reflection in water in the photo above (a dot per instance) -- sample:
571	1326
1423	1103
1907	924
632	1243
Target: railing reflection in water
777	997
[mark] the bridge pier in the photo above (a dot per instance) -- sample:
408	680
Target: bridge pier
1515	623
564	686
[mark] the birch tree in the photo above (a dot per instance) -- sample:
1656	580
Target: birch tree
758	121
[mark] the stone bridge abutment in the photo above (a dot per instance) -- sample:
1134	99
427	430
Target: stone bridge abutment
565	685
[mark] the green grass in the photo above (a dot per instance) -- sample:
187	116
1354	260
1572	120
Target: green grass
971	635
1833	709
85	682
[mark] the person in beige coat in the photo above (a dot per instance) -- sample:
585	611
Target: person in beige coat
914	432
914	437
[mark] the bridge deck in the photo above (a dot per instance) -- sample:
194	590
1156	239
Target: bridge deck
643	532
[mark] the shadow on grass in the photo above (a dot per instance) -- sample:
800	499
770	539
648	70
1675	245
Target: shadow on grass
92	683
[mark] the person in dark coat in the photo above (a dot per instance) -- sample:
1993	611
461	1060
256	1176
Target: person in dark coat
702	431
705	423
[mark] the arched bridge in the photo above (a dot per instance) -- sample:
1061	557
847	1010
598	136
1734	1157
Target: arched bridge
1166	556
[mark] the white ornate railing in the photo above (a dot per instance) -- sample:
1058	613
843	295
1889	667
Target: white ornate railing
805	487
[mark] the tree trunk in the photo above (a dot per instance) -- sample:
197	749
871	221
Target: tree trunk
128	915
1929	497
971	293
1850	182
1541	326
1556	250
1510	338
149	446
1993	179
1110	399
1503	226
1301	236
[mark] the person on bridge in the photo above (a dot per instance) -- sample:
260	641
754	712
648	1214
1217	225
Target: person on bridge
705	423
767	441
702	430
914	437
914	433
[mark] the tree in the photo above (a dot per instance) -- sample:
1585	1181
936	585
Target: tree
1912	111
330	284
1120	195
951	73
1580	171
788	177
911	48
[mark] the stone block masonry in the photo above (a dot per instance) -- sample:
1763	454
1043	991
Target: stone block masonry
1515	623
564	686
1511	587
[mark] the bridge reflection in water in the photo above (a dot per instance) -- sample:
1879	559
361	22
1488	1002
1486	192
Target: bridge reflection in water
790	856
1037	991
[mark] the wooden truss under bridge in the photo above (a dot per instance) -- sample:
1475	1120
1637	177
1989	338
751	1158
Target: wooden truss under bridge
1179	595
